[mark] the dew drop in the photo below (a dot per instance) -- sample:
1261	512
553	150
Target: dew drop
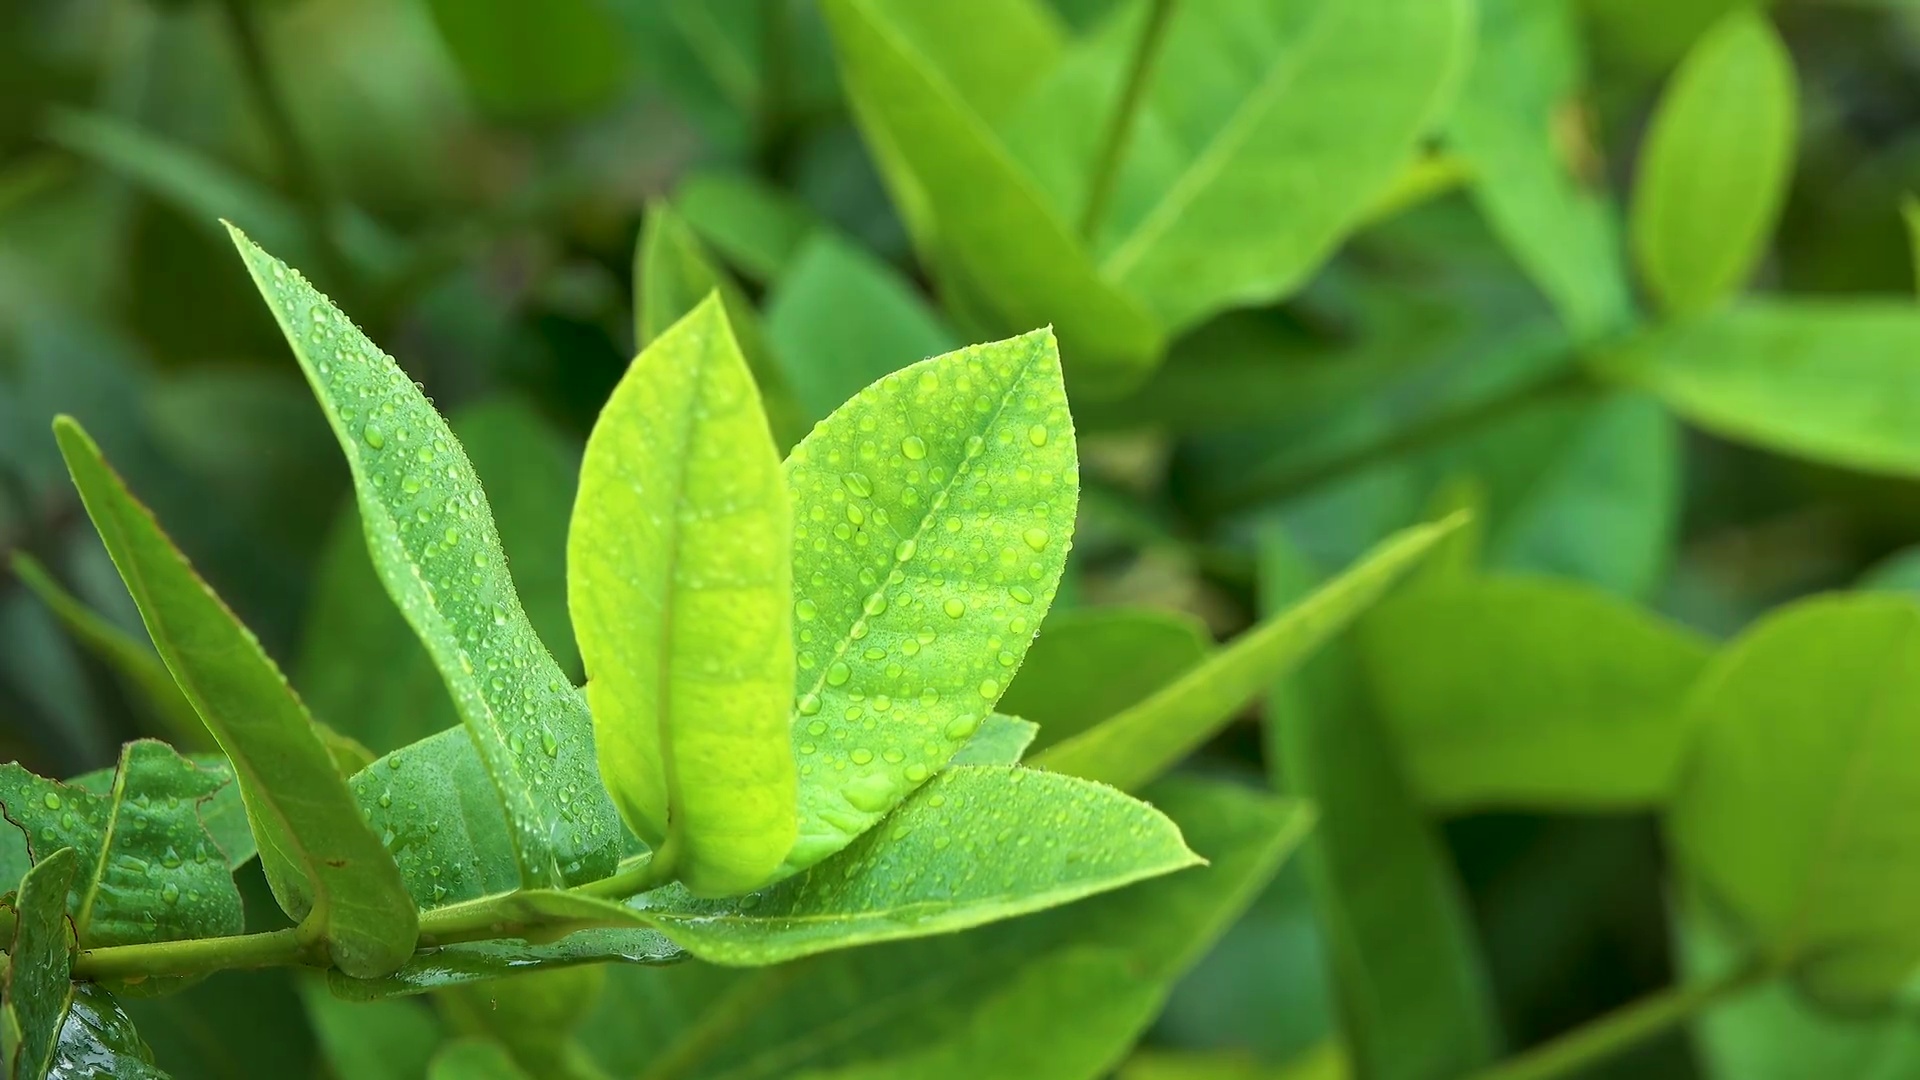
876	604
806	610
1036	538
1020	593
374	436
861	756
52	801
962	726
913	447
808	706
916	772
954	607
549	743
904	550
170	893
989	689
858	484
1037	434
838	674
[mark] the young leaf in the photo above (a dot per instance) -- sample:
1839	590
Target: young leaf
1520	93
36	988
438	552
1713	175
149	870
1413	999
932	516
1529	693
326	866
1792	807
1090	663
1147	739
1825	380
1239	205
926	82
680	583
957	854
1002	740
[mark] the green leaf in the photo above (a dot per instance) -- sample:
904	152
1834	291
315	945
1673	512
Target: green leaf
932	516
132	660
680	585
1148	738
97	1039
926	83
1237	205
475	1059
758	228
565	59
1825	380
1910	215
437	810
1002	740
150	869
1712	177
672	275
1529	693
1413	998
470	962
36	990
1520	96
959	853
1793	804
391	1040
325	864
1325	1062
988	1003
438	552
1091	663
533	1015
223	815
830	357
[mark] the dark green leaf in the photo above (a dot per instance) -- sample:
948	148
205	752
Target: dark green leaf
36	991
475	1059
386	1040
559	61
1090	663
98	1040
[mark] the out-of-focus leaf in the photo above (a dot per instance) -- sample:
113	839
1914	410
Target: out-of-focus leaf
1910	214
756	227
1825	380
533	1015
1091	663
1511	125
237	1026
149	870
1267	159
672	275
1531	693
976	844
97	1039
475	1059
927	81
1326	1062
325	864
438	552
1413	997
983	1003
680	583
383	1040
1792	805
1150	737
1001	740
1713	175
133	661
830	356
35	989
932	517
552	63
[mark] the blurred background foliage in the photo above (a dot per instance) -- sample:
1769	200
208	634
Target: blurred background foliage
470	179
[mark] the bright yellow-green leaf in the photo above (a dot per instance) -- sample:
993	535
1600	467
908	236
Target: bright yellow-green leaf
680	584
1713	174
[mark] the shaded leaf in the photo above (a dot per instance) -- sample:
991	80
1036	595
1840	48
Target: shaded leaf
1712	177
1090	663
475	1059
324	863
438	552
932	517
680	584
563	60
97	1039
533	1015
1148	738
756	227
392	1040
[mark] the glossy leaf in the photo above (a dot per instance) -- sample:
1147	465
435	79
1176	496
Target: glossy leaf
1791	809
830	357
932	516
926	82
1530	180
1712	177
1001	740
959	853
437	809
1825	380
672	275
1090	663
680	583
97	1039
438	552
223	814
325	864
1529	693
36	990
984	1003
1413	998
1236	205
149	869
471	962
1150	737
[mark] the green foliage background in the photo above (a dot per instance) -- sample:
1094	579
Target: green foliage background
1627	278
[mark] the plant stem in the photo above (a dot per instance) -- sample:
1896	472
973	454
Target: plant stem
277	948
1120	128
297	167
1625	1028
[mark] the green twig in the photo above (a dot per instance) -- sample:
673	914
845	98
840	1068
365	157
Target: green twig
1626	1028
1120	126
